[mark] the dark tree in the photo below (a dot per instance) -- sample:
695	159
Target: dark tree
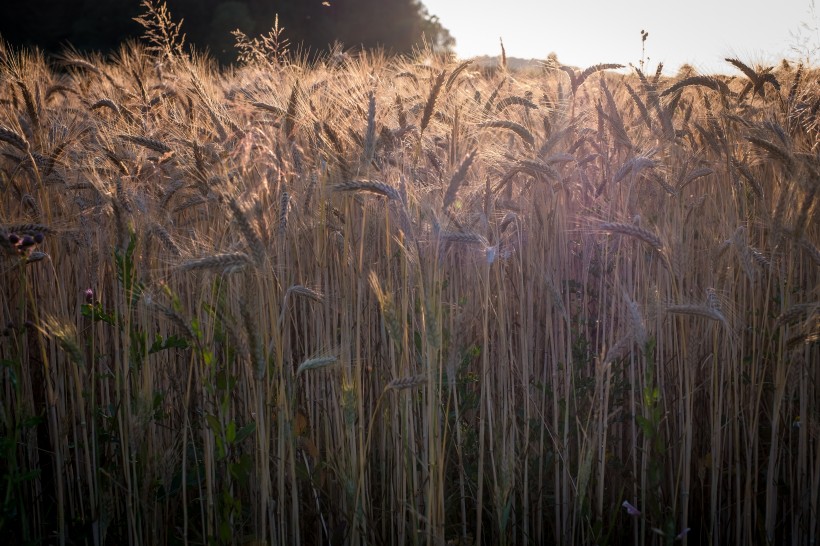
312	25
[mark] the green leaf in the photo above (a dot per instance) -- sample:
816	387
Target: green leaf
97	314
241	469
646	426
230	432
171	342
213	422
245	431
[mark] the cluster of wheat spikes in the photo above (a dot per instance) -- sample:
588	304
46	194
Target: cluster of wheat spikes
406	301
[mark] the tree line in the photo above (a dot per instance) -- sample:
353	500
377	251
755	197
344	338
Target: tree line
310	25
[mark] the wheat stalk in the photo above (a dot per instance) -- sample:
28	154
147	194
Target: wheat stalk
229	262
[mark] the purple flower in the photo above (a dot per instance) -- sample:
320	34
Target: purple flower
89	296
682	534
13	239
27	241
631	510
38	238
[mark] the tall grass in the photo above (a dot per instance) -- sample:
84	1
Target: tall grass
347	303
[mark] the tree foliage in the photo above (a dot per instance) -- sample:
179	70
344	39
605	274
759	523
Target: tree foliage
310	25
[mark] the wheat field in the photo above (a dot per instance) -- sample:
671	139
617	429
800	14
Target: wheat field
372	300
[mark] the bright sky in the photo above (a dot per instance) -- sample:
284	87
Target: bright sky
586	32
